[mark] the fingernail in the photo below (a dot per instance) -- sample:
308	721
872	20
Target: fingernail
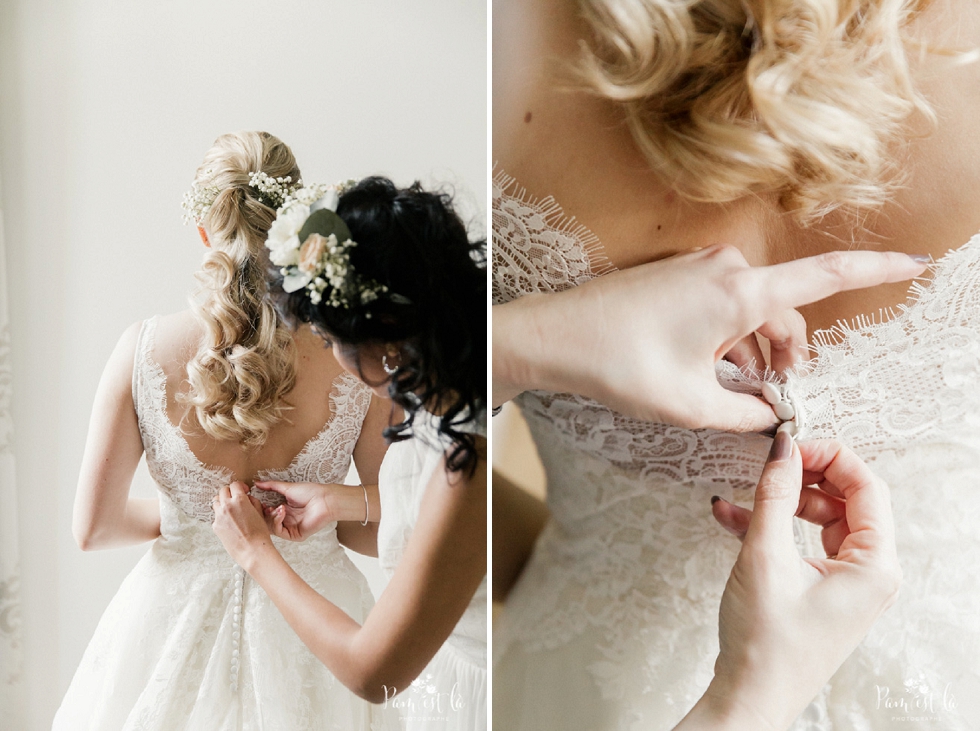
782	447
714	499
770	432
920	258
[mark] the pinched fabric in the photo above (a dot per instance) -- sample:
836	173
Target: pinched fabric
613	624
190	641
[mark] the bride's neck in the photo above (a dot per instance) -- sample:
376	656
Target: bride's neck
559	140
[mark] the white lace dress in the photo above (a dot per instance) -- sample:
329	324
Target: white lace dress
190	641
451	693
613	624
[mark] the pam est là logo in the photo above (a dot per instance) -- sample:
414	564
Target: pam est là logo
424	700
916	700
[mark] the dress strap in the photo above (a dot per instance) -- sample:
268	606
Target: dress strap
141	358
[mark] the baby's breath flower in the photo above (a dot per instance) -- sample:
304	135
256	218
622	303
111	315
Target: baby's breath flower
198	200
273	191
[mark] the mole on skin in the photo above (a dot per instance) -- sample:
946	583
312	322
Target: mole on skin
527	118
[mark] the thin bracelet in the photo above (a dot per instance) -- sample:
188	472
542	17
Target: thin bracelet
367	507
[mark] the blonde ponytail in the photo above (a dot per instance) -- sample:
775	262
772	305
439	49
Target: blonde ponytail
244	366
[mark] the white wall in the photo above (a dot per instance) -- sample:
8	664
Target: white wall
106	109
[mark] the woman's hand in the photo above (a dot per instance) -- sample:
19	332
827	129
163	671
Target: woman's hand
645	340
240	525
787	623
310	506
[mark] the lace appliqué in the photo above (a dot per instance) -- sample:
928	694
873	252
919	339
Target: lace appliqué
536	248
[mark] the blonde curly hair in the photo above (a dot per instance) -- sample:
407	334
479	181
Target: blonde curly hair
245	364
797	98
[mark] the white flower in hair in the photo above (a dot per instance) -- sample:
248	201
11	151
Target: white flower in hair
311	245
283	238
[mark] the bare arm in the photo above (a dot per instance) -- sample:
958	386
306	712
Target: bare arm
368	455
104	515
518	519
442	567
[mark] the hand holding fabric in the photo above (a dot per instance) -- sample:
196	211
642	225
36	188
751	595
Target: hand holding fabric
644	341
787	623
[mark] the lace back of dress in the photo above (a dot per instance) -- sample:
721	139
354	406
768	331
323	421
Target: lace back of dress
536	247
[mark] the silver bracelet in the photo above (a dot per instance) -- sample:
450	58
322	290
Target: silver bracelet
367	507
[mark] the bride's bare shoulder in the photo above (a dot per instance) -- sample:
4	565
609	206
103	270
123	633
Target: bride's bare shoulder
176	338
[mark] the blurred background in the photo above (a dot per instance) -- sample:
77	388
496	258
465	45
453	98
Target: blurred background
106	109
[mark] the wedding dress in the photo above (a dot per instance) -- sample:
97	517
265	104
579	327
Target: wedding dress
614	621
451	693
190	641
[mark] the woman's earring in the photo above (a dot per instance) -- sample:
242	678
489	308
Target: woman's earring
384	364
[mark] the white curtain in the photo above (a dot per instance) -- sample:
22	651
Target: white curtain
11	657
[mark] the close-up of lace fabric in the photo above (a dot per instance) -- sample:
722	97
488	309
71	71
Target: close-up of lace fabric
613	623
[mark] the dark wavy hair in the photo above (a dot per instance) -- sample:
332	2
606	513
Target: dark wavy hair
413	242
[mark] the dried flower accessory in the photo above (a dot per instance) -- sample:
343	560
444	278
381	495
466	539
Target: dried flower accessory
273	192
311	245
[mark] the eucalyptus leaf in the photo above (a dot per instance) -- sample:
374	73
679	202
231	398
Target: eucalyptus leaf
325	222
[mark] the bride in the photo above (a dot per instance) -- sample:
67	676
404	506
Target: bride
222	393
786	129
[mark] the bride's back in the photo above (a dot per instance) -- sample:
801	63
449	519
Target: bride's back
560	141
308	403
245	392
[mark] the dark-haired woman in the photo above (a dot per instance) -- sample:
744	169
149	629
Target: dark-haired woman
390	279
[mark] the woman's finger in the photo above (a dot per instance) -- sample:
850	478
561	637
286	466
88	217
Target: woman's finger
277	522
802	281
868	503
286	489
819	508
727	411
833	535
777	498
814	507
731	517
237	488
787	338
747	354
816	479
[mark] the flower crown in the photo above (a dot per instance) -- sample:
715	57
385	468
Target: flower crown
273	192
311	246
